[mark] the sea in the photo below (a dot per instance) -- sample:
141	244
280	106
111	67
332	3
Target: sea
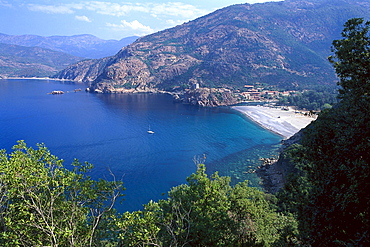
111	132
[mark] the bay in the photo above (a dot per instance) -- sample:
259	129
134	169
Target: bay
110	131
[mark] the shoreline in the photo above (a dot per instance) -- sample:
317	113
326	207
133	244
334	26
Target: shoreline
35	78
285	123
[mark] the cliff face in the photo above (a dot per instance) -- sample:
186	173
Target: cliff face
284	44
209	97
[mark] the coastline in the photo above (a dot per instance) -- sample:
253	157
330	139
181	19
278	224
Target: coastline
34	78
285	123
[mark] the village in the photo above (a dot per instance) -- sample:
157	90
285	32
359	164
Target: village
271	99
252	93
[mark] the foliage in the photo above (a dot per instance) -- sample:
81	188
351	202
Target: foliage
352	59
311	100
208	212
330	194
44	204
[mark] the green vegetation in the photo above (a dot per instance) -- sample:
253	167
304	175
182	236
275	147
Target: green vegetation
44	204
329	191
310	100
325	200
208	212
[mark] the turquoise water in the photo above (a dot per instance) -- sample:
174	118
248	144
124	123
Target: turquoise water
110	131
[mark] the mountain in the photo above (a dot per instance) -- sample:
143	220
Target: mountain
87	46
20	61
280	44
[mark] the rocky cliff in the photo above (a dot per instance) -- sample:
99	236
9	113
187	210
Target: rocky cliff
281	44
209	97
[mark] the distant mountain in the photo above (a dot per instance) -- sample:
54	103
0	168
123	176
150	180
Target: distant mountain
21	61
283	44
87	46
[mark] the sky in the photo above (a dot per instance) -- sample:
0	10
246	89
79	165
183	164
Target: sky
106	19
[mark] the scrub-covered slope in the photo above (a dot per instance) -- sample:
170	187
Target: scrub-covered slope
284	44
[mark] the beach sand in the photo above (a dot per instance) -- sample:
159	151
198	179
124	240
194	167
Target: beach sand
282	122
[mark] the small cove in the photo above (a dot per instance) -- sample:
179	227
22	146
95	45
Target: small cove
110	131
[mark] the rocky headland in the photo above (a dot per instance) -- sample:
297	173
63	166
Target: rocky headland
208	97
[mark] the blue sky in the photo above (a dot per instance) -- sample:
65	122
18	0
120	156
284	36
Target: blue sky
106	19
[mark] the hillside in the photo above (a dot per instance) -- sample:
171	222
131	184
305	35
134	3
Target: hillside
20	61
87	46
281	44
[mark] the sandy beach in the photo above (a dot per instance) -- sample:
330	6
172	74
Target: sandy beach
282	122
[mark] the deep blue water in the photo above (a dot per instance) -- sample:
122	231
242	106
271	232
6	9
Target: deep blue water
110	131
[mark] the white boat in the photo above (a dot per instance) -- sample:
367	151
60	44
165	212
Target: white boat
150	131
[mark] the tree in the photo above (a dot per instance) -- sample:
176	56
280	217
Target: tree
310	100
208	212
44	204
351	59
333	159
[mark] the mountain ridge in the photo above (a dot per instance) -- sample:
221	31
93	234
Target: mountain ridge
21	61
279	44
82	45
